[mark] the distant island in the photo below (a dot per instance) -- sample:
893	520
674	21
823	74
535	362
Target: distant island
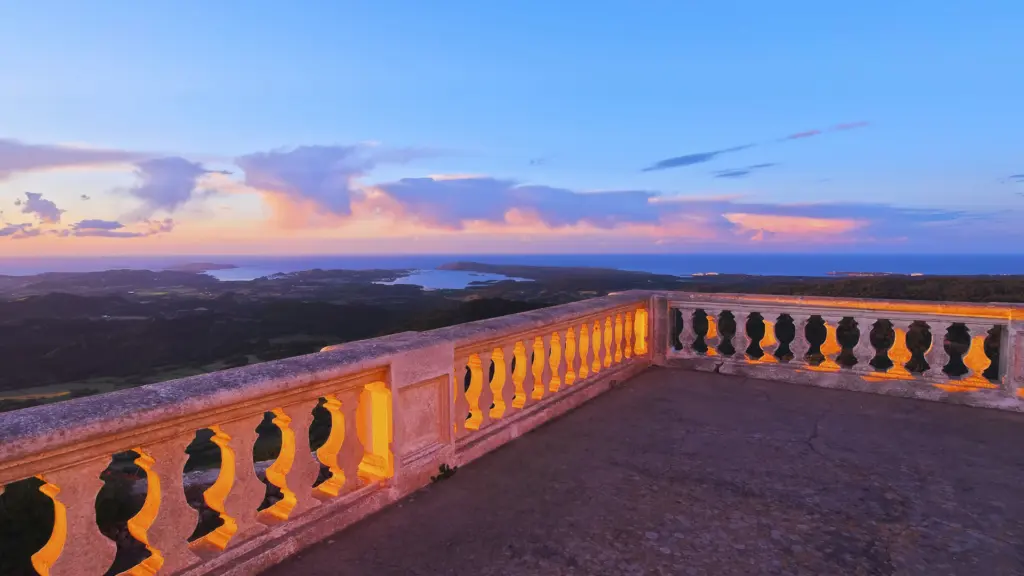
199	267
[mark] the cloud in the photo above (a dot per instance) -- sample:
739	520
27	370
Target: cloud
16	156
14	230
691	159
741	172
1016	177
451	202
850	126
165	184
322	175
45	210
115	229
84	197
496	206
701	157
799	135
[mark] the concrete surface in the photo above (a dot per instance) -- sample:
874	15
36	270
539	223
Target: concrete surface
695	473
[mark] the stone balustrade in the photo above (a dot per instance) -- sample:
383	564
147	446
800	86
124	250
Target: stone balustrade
394	410
391	411
962	353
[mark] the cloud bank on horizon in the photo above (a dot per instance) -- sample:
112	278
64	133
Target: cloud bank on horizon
323	189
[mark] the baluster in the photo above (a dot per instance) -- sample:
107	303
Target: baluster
689	335
864	351
800	346
570	356
520	376
595	345
618	338
551	358
352	449
473	392
629	335
462	410
742	317
504	394
539	368
295	470
712	338
976	360
486	398
936	356
76	546
237	492
608	329
166	520
830	348
769	342
640	331
899	354
584	351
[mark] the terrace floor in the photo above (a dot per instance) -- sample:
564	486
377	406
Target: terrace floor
681	472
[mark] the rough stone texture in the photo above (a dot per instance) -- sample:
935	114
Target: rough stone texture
693	473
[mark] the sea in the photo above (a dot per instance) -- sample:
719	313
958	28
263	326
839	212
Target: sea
425	273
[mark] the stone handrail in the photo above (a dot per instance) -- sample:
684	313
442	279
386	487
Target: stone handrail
680	343
398	407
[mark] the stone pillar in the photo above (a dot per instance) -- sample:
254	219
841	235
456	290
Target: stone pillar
1011	357
800	346
936	356
661	317
864	350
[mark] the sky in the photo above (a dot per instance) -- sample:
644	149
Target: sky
401	126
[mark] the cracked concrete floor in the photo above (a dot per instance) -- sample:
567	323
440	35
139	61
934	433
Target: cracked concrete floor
691	473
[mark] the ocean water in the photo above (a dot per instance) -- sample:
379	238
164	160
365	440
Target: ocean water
427	275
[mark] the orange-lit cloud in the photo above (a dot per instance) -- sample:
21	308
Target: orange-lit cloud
793	225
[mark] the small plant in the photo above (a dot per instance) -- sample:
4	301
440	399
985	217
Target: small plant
444	472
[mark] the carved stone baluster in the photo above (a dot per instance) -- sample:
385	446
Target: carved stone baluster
552	357
976	360
584	344
461	417
237	492
166	520
629	335
352	449
864	351
618	338
556	363
503	397
769	342
830	348
570	356
899	354
295	470
608	335
595	346
743	337
712	338
936	356
640	331
521	375
486	398
540	368
800	346
76	546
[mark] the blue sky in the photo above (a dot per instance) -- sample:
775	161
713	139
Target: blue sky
571	95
